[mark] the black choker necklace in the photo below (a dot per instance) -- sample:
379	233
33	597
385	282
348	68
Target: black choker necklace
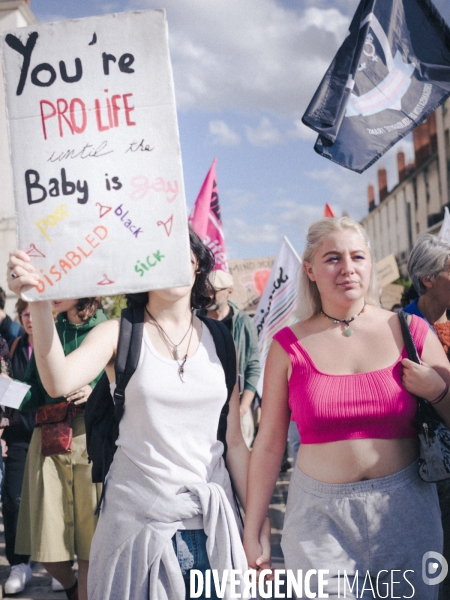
347	331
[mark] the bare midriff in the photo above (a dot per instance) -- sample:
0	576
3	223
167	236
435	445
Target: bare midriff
348	461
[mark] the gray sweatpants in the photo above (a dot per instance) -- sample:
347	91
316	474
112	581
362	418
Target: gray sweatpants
371	535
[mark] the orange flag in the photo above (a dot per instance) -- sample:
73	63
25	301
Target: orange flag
328	211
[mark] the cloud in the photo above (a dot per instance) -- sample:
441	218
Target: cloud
343	190
301	132
263	230
222	134
236	198
252	55
265	134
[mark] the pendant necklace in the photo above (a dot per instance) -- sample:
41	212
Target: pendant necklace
347	331
173	348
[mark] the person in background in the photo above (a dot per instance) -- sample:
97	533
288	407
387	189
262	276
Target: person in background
245	337
5	369
409	294
9	329
293	442
17	437
429	270
56	516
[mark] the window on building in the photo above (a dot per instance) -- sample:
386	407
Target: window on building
427	185
415	194
417	228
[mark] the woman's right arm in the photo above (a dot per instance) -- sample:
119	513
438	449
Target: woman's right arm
62	374
267	450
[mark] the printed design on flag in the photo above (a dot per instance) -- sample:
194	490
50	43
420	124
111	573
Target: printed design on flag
280	309
278	302
215	207
389	92
206	221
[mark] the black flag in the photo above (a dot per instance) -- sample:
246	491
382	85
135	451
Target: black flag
391	72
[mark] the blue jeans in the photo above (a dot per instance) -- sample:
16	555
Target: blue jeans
190	547
293	441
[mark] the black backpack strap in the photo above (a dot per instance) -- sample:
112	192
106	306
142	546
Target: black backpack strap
226	351
127	358
407	338
128	352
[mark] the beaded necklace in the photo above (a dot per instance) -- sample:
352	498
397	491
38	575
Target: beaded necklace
347	331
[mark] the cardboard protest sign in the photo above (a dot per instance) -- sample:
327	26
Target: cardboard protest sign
96	157
387	270
250	276
391	294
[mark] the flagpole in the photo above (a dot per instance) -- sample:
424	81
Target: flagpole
292	248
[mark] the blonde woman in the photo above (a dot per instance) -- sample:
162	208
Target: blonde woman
356	504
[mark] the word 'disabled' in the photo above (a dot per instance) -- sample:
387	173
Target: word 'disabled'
71	259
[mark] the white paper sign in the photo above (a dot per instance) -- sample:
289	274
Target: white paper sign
96	156
12	392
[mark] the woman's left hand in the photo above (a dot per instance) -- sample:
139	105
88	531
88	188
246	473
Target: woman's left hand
422	380
264	560
79	396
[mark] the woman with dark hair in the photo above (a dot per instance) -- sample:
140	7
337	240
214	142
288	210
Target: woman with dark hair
17	437
168	503
56	517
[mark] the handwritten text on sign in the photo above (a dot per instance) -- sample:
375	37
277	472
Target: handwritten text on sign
95	154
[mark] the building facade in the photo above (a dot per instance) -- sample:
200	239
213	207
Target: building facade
416	204
13	13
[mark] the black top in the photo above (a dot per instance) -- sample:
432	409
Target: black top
10	329
228	320
21	424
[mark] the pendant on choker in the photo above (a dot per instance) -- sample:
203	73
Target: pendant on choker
348	331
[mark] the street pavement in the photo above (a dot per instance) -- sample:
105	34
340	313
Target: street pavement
39	588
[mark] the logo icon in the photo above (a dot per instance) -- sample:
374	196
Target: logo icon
434	568
389	92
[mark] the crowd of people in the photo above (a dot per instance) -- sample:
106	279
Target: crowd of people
188	464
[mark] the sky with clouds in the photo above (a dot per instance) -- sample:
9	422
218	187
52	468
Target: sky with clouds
244	74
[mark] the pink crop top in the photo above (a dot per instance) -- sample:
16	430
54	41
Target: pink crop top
329	408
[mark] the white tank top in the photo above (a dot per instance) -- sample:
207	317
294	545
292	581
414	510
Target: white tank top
169	427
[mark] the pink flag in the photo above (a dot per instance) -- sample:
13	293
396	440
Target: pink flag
205	219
